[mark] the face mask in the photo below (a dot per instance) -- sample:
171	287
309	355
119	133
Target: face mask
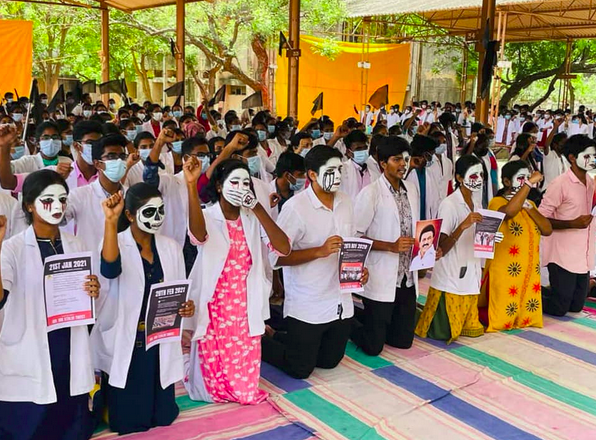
235	127
298	185
238	180
101	112
441	149
177	147
329	177
139	128
327	135
151	215
19	151
254	165
507	117
423	106
87	113
205	162
68	140
286	136
204	115
131	135
491	142
51	204
115	170
17	117
262	134
304	152
575	121
316	133
473	178
586	160
360	156
271	129
157	116
144	154
44	101
177	114
50	147
519	179
87	153
112	106
10	100
60	116
141	116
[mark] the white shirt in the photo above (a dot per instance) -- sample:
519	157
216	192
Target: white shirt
433	191
378	219
374	170
427	261
25	366
175	195
352	181
9	208
392	119
119	307
554	165
447	272
312	293
27	164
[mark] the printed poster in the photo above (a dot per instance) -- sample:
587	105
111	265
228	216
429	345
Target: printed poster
163	323
352	257
424	252
484	237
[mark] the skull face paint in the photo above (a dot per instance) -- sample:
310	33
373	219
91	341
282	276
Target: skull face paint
151	215
238	180
519	179
51	204
329	177
474	178
586	160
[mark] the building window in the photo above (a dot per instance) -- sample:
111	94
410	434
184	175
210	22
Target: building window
238	90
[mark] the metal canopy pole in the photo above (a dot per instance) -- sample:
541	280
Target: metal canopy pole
364	65
487	25
180	43
293	58
464	75
105	49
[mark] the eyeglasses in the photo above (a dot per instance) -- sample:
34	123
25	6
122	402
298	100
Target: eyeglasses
115	156
47	137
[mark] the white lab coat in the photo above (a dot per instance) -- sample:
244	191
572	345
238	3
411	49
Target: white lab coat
352	181
210	263
175	194
27	164
119	306
374	170
378	219
25	366
433	192
9	208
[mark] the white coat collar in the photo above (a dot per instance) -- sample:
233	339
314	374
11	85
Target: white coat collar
31	239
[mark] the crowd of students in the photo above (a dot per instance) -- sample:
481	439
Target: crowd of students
251	209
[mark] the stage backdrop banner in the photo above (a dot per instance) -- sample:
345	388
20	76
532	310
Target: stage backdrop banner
339	79
16	56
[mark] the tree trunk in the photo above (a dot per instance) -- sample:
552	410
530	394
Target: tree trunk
549	90
258	47
141	71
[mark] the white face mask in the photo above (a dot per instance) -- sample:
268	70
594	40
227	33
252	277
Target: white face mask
17	117
157	116
329	177
51	204
519	179
86	113
238	180
151	215
586	160
474	178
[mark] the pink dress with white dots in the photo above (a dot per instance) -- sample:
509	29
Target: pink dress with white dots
230	357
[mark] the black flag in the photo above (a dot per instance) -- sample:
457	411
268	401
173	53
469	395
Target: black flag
173	48
58	98
380	97
175	90
89	86
77	97
283	43
254	100
317	104
220	95
35	103
113	86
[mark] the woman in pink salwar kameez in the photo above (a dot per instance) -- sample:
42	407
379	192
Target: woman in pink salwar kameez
225	357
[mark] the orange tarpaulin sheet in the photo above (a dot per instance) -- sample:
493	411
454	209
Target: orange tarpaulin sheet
16	56
340	79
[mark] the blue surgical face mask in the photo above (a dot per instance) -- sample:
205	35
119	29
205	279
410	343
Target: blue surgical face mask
139	128
19	151
441	149
507	116
50	147
87	153
300	182
177	147
262	134
254	165
316	133
178	114
204	115
131	135
205	162
271	129
235	127
575	121
360	156
115	169
304	152
327	135
68	140
144	154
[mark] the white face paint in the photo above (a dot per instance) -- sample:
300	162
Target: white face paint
519	179
238	180
586	160
51	204
329	177
151	215
474	178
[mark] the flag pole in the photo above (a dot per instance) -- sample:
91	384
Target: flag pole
28	112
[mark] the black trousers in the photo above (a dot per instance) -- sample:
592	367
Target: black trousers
567	292
389	323
305	346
